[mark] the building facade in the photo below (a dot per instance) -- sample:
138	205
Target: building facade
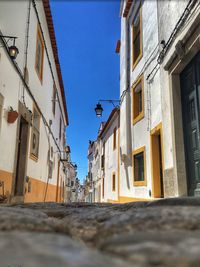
159	134
109	144
33	112
179	64
140	110
102	182
93	171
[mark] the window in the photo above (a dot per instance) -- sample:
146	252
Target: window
103	157
35	134
64	140
137	37
138	100
113	182
54	100
60	129
139	167
114	138
39	56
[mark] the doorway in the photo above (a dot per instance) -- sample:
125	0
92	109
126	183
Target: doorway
190	97
21	157
157	162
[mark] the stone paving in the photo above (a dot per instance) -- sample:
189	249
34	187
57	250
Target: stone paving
163	233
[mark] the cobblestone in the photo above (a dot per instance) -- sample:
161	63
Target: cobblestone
163	233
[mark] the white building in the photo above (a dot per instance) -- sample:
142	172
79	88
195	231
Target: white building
159	113
93	170
109	144
180	98
70	178
33	112
140	111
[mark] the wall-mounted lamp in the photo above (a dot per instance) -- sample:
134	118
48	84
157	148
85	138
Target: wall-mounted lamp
75	167
99	110
13	50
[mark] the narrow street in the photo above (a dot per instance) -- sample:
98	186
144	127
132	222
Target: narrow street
141	234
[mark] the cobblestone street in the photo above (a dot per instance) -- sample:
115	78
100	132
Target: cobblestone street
160	233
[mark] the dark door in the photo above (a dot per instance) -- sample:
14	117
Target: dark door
190	92
21	158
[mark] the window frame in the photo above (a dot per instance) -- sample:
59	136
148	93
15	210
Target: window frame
54	99
136	61
114	184
39	38
140	116
103	187
136	152
114	138
33	156
60	129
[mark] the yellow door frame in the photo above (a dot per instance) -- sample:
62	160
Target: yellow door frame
155	161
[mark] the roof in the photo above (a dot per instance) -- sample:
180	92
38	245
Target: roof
118	45
47	10
68	149
114	111
127	8
90	148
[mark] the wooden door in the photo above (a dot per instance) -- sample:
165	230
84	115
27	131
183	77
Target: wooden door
21	158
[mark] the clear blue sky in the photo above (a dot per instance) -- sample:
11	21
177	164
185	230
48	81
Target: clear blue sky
87	32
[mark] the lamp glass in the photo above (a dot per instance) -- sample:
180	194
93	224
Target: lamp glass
13	51
98	110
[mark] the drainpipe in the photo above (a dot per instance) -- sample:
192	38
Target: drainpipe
126	153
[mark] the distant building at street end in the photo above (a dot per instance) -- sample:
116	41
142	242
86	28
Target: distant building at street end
103	162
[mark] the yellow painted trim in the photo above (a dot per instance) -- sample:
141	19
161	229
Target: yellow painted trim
123	199
114	138
32	156
155	131
38	188
7	178
39	36
135	152
118	167
103	187
134	64
141	114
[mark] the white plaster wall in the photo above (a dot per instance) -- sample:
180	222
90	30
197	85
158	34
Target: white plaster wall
169	14
13	17
111	161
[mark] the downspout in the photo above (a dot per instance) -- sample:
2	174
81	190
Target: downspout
26	49
126	154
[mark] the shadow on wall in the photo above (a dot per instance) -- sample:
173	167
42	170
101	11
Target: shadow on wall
127	162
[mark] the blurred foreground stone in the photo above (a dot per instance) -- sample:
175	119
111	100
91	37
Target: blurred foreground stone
163	233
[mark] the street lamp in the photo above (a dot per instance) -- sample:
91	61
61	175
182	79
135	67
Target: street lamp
13	50
99	109
75	167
